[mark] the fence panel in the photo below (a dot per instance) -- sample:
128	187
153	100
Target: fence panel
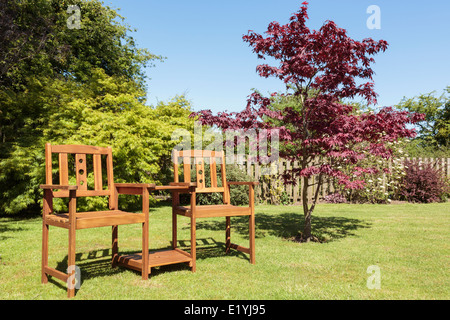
272	187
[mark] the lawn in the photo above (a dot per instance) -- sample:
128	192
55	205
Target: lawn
408	243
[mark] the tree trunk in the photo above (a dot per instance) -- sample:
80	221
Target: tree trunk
306	236
307	211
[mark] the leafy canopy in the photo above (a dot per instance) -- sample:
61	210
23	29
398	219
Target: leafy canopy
81	86
321	69
434	130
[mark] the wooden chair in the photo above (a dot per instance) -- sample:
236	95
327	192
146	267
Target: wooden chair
74	220
201	159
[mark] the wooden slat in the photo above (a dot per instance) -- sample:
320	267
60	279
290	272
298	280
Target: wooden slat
82	193
133	188
156	258
63	169
187	169
199	153
240	248
110	176
110	221
175	167
214	211
209	190
213	169
53	221
183	184
79	149
57	187
81	174
135	185
98	180
173	188
48	164
96	219
200	168
109	169
56	273
226	191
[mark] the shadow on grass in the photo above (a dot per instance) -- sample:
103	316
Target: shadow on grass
288	226
13	224
97	263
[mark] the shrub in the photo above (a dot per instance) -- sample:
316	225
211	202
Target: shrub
383	183
423	183
272	191
335	198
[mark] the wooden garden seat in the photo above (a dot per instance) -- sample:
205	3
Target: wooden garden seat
81	159
96	219
208	183
209	211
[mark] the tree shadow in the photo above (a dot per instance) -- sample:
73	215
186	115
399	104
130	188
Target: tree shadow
9	228
288	225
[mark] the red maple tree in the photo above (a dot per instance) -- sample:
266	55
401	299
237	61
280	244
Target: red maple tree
321	69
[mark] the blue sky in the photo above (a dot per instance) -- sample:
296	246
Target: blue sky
208	61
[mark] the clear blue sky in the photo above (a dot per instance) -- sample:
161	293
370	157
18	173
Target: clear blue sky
208	61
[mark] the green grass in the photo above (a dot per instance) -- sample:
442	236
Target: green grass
409	243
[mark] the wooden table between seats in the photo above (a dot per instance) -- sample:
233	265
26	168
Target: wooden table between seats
155	258
162	257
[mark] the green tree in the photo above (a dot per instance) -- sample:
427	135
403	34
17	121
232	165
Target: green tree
81	86
434	131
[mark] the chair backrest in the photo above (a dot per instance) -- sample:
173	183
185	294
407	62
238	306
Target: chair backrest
206	183
81	158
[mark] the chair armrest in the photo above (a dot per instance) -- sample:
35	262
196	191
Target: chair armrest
57	187
249	183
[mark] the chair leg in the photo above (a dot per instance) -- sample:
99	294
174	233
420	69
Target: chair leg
115	245
71	261
145	257
227	234
174	230
252	238
193	244
45	231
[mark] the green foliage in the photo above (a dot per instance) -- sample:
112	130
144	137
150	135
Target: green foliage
79	86
139	135
434	131
272	191
384	185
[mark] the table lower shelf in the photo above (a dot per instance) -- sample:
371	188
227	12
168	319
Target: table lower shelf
155	258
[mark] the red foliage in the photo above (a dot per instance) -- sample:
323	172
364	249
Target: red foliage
322	67
423	183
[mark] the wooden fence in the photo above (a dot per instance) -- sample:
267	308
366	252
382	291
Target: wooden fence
273	190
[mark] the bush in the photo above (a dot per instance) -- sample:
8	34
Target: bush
335	198
423	183
272	191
